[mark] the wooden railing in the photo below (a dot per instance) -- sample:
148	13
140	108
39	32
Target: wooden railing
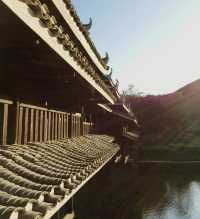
29	123
88	127
4	106
75	125
38	124
131	134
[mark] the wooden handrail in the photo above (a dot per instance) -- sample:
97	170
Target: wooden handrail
33	107
6	101
56	111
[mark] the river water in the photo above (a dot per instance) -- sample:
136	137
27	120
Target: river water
120	192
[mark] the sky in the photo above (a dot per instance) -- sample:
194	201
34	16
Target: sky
152	44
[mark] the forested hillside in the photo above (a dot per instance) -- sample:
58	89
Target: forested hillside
169	120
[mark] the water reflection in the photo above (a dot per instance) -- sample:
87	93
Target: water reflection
121	194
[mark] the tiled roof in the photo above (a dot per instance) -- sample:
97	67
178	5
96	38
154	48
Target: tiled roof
35	178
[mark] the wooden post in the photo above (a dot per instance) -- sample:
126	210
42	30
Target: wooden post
78	126
17	122
41	126
45	126
64	125
59	126
26	125
5	124
49	127
53	127
36	125
20	125
31	125
67	126
74	126
56	126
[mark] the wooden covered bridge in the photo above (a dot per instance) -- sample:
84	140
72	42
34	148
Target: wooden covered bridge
61	115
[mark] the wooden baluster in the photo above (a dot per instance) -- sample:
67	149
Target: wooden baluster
67	126
20	125
59	126
53	127
71	126
5	124
45	125
83	128
79	126
31	125
49	127
74	126
78	123
64	125
17	122
36	125
41	126
26	125
56	126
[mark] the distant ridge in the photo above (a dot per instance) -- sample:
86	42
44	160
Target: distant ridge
193	86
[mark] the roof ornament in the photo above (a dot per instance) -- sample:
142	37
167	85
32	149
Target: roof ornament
106	58
89	25
34	5
109	76
117	84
